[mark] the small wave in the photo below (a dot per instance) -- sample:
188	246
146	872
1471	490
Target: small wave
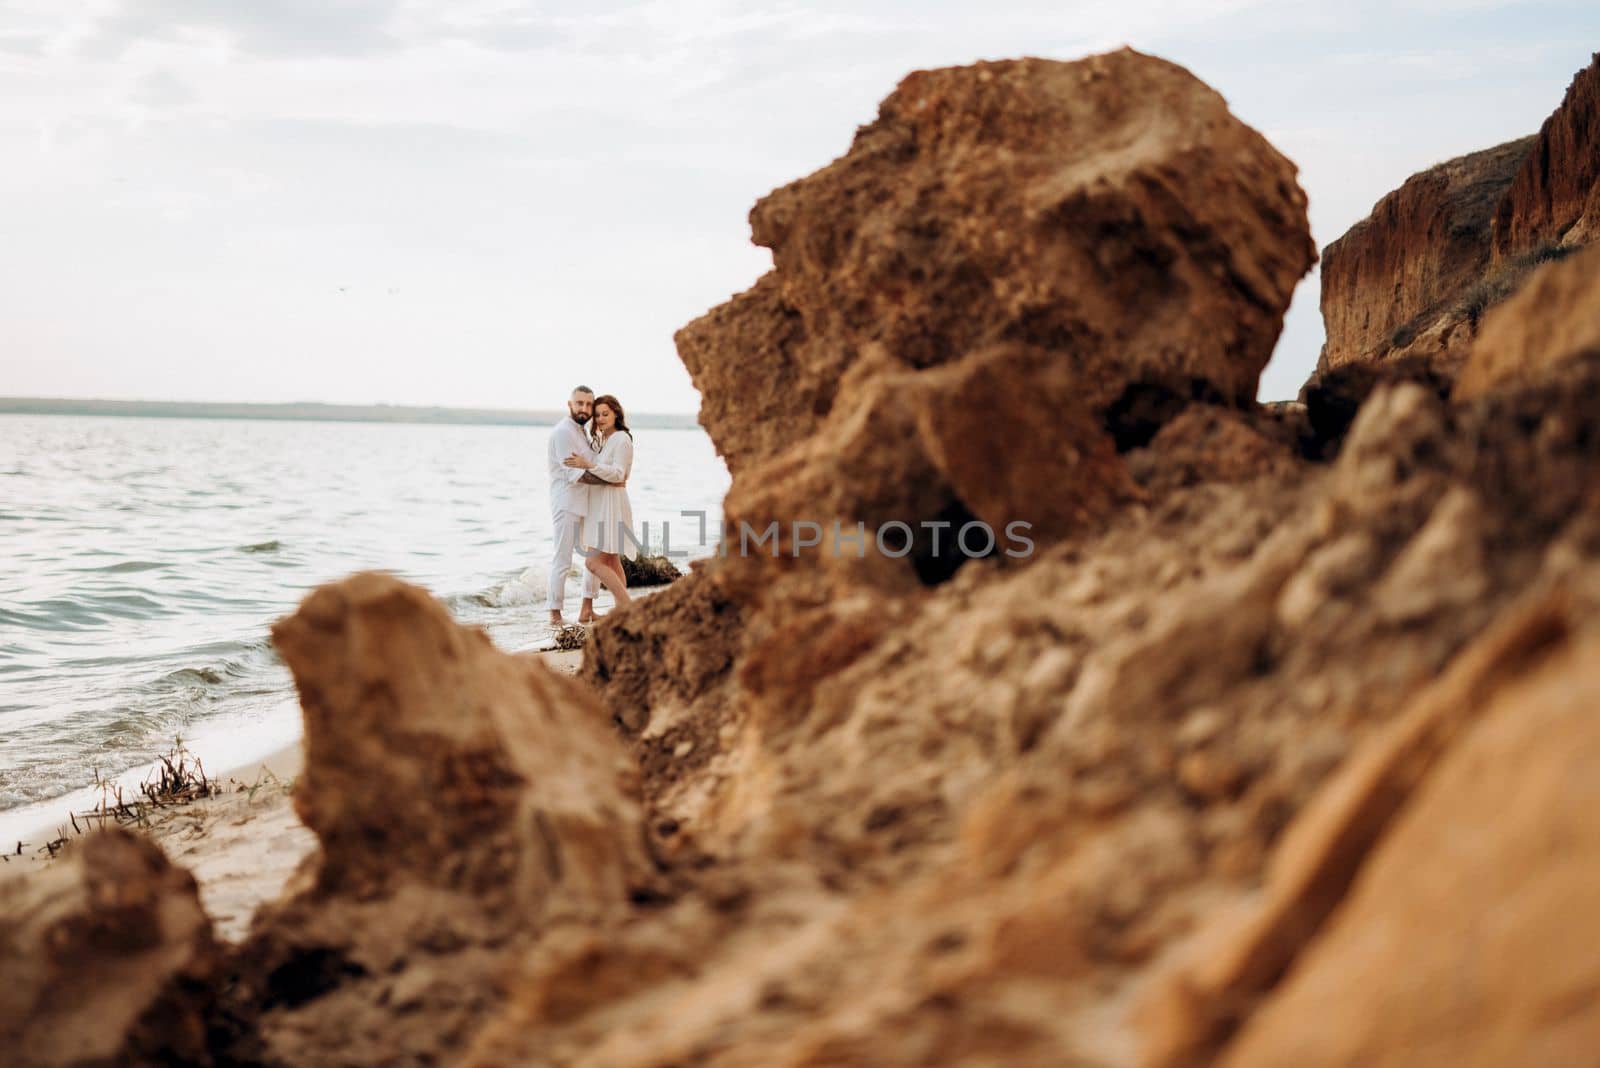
238	662
55	616
518	591
185	676
127	567
130	604
248	646
523	590
262	547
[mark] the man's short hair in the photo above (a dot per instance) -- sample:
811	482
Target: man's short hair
584	389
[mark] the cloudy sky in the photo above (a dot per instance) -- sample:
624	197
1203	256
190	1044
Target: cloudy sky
473	202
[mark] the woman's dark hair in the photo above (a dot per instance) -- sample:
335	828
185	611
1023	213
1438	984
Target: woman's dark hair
616	406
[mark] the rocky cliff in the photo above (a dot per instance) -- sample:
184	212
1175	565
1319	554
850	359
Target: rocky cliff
1195	777
1555	197
1415	277
1423	245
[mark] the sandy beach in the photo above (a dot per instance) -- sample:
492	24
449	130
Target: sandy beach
243	844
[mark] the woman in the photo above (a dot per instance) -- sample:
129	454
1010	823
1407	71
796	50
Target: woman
608	528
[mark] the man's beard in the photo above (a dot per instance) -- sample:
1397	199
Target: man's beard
579	418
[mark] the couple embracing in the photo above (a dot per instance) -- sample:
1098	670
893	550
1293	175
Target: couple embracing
589	499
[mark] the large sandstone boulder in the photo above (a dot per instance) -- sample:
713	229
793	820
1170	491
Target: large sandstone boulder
106	957
1110	212
466	801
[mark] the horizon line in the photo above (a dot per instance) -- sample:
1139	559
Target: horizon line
314	411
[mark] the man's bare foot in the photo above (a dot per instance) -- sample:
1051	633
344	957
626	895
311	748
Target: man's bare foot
555	619
590	618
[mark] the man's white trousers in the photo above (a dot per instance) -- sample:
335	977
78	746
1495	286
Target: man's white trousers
568	525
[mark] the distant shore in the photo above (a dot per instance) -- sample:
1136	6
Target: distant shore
320	413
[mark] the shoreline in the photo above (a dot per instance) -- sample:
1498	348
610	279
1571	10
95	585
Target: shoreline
241	844
39	822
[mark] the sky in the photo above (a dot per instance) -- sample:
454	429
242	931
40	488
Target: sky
478	203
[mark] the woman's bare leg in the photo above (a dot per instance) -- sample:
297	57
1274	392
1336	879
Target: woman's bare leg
621	592
610	575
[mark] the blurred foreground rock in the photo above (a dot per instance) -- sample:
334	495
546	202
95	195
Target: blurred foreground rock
465	800
1555	317
105	958
1467	939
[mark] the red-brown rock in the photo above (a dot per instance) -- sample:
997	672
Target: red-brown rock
1555	198
1423	245
1416	277
1109	211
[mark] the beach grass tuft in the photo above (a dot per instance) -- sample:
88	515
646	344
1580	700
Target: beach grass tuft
178	778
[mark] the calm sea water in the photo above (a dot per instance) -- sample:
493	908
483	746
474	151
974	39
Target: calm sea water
144	559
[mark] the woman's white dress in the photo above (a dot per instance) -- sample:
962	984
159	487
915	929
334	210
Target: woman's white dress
609	525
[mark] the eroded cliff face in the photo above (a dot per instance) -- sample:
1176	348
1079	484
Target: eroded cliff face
1423	245
1555	197
1413	281
1199	780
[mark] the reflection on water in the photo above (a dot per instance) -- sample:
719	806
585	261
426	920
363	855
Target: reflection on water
145	558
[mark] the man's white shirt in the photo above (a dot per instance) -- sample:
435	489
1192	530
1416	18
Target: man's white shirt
567	494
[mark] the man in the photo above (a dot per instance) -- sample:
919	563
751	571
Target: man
569	503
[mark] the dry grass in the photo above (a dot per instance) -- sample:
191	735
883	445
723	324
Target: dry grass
179	778
1496	287
569	636
1484	294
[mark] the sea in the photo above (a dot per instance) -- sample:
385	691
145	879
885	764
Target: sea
142	561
